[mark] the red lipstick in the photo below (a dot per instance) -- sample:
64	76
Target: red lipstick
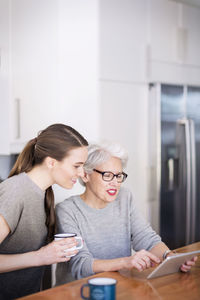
112	192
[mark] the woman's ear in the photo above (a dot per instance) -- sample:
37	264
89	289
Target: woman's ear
85	178
50	162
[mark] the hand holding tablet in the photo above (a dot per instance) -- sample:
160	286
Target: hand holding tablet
172	264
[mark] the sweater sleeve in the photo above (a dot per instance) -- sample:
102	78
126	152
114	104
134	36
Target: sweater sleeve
142	234
10	205
81	264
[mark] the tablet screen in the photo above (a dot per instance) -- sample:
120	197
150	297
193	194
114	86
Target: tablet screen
172	264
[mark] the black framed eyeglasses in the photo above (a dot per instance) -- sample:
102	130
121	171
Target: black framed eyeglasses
108	176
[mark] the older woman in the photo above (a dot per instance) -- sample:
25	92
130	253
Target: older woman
105	215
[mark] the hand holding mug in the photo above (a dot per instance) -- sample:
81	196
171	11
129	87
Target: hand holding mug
55	252
72	251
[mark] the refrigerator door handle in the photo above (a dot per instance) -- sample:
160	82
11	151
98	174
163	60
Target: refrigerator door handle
186	126
171	174
193	180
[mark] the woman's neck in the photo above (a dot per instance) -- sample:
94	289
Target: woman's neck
91	200
41	177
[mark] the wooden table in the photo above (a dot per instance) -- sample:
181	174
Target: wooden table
132	285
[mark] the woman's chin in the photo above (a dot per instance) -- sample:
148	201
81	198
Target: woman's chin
68	185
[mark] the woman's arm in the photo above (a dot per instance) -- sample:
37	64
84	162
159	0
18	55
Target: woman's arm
5	230
159	249
50	254
141	260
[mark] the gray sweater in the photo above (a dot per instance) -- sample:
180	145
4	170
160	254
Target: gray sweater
108	233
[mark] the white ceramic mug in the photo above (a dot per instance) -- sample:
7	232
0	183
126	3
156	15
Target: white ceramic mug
60	236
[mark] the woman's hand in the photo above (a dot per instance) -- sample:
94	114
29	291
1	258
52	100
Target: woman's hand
56	251
188	264
186	267
141	260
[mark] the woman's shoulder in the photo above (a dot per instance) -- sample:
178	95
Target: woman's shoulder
125	198
11	183
11	190
68	202
125	193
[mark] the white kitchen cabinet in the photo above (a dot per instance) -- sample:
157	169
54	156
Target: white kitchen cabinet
191	21
28	70
163	23
174	32
123	37
34	55
53	55
4	77
174	42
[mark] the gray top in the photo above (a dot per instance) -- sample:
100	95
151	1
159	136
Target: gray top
22	206
108	233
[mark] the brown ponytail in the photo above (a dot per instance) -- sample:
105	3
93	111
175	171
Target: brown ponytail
55	141
25	160
50	213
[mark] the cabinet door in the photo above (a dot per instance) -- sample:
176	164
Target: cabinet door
54	64
34	66
163	21
174	42
122	40
4	77
191	21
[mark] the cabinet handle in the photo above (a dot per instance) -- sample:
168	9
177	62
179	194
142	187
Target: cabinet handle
18	132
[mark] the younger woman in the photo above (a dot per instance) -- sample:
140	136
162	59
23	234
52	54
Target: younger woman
27	219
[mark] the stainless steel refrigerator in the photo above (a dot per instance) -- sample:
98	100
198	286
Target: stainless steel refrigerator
175	159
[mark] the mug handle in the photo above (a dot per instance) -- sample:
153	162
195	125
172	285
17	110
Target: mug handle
79	238
82	288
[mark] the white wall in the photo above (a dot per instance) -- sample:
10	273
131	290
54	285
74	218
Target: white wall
124	118
79	65
124	88
78	73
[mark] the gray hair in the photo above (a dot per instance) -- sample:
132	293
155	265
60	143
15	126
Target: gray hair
100	153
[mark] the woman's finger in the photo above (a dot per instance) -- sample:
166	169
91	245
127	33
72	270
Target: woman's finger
185	268
138	266
194	259
151	256
142	263
189	263
66	247
64	259
70	253
66	241
147	261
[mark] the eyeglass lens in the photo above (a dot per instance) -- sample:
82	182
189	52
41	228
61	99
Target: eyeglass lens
108	176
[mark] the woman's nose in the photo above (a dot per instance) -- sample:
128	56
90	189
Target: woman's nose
114	181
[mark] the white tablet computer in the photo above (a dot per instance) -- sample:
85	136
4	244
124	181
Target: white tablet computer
172	264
